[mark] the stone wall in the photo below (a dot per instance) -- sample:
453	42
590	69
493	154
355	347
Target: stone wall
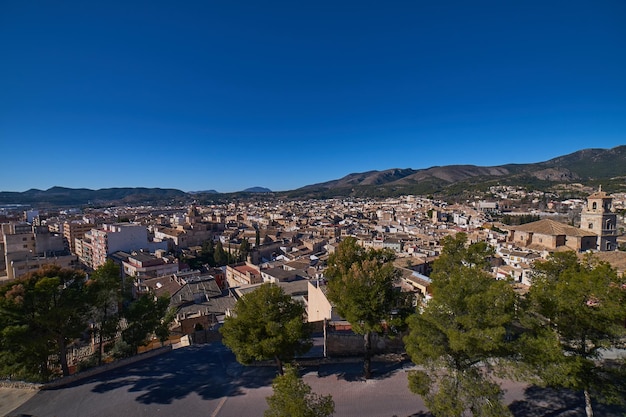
346	343
205	336
104	368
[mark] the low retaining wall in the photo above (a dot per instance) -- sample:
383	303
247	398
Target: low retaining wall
350	344
104	368
205	336
20	385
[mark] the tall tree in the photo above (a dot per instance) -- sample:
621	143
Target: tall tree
105	287
579	309
244	249
144	316
294	398
220	256
208	251
361	286
42	314
459	338
267	324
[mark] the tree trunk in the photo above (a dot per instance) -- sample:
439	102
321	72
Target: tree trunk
279	365
588	408
63	355
100	342
367	360
100	338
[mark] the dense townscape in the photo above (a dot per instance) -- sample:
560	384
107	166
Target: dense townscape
85	287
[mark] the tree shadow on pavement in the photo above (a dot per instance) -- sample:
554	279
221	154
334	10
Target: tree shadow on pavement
548	402
210	371
353	371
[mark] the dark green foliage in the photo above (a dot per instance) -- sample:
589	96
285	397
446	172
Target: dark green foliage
42	314
459	338
293	398
576	309
106	296
244	250
221	257
267	324
517	220
144	317
162	330
45	312
213	255
361	287
205	257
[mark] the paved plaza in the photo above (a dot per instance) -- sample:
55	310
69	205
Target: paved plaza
207	381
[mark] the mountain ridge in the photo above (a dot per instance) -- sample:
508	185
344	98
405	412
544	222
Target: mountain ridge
592	166
587	165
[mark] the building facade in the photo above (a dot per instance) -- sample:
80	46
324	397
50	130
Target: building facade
26	248
97	244
598	218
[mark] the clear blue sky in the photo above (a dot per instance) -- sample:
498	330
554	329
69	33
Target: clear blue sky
227	95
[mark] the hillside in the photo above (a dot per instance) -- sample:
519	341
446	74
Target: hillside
61	196
591	167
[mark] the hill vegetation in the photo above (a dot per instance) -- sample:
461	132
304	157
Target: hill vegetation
590	167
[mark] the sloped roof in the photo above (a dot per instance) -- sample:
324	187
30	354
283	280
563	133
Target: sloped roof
552	228
617	259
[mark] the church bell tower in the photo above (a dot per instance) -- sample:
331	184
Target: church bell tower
598	218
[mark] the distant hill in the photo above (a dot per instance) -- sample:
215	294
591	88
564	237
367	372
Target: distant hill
204	192
257	190
591	167
60	196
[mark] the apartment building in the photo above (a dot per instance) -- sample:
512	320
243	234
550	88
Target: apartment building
146	265
244	273
73	230
98	244
26	248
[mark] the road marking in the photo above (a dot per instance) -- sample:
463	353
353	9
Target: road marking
219	407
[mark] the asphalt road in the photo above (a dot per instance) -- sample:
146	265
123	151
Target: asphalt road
207	381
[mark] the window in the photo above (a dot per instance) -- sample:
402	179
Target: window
594	205
591	225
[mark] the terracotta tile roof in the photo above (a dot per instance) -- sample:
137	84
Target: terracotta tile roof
552	228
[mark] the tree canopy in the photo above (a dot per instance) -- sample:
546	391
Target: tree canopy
145	316
106	296
361	287
459	337
267	324
53	308
292	397
578	308
41	314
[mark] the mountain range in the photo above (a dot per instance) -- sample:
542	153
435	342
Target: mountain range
590	167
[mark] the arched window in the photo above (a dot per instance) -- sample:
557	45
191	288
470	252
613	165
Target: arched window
609	224
591	225
594	205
